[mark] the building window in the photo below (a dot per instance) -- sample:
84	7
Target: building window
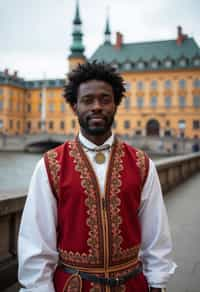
1	124
28	126
18	107
10	104
127	103
10	124
62	107
73	124
138	123
127	124
167	123
127	66
167	133
154	64
181	101
62	125
138	132
154	84
1	91
140	101
39	125
167	101
168	63
168	84
39	107
196	124
141	65
18	125
182	63
196	83
51	125
114	125
51	107
28	108
127	85
153	101
196	101
140	85
181	124
1	105
196	62
182	83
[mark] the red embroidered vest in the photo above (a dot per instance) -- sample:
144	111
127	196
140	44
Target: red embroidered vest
95	234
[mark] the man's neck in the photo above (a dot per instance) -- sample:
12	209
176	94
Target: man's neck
98	140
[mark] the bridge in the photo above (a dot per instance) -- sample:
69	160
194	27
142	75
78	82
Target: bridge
43	141
180	180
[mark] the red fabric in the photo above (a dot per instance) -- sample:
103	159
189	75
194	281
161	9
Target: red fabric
73	229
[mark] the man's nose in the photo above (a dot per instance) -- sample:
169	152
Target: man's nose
96	105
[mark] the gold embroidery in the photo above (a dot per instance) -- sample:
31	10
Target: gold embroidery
92	222
118	253
73	283
141	164
54	167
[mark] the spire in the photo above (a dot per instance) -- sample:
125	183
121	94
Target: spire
77	19
77	47
107	32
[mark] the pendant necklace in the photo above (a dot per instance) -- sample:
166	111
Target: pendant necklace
99	155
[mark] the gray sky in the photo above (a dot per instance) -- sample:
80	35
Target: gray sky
35	35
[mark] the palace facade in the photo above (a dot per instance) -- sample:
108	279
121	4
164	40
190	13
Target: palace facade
162	89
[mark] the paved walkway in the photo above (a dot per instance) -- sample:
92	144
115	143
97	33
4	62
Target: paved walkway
183	205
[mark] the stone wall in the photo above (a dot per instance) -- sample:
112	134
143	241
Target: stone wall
172	171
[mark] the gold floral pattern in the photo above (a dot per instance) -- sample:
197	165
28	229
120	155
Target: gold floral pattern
54	168
73	284
141	163
90	190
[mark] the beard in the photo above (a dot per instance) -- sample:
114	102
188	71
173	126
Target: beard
96	129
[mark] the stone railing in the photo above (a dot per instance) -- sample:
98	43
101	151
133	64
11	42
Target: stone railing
172	171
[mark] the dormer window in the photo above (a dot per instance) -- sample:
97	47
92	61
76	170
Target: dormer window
115	65
168	63
154	64
182	62
127	66
196	62
141	65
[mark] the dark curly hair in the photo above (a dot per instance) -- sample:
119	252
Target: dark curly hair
93	71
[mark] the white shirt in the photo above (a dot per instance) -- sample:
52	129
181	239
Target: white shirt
37	250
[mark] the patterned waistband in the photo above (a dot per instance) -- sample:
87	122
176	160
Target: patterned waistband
111	281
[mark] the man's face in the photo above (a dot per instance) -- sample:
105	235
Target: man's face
95	107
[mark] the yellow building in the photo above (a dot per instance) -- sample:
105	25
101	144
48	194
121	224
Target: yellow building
162	81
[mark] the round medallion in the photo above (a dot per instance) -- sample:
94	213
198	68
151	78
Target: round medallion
99	158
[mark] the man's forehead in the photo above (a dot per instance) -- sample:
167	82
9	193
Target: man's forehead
94	85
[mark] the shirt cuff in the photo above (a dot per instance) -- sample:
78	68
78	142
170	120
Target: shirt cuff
47	287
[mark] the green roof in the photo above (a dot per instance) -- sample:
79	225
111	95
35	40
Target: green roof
148	51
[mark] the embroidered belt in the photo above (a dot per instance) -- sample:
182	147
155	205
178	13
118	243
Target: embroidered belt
102	280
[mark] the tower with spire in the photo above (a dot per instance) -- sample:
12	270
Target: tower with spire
107	33
77	48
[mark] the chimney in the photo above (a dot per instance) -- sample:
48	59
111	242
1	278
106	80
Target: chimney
6	72
119	40
180	36
15	75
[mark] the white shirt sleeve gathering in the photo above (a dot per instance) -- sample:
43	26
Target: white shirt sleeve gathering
37	250
37	253
156	248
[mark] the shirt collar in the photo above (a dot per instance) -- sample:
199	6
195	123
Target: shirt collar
90	144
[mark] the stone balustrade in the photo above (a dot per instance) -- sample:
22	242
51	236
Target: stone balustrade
172	171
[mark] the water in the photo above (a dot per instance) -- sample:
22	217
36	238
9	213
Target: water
16	170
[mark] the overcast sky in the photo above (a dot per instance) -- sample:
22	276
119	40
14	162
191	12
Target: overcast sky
35	35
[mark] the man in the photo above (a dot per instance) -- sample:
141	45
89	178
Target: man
94	218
